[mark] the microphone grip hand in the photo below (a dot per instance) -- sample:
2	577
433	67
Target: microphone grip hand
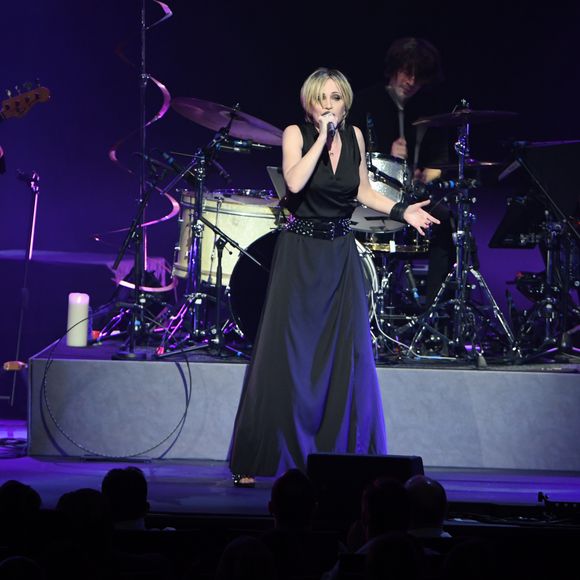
330	125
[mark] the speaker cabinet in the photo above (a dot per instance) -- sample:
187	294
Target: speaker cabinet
341	478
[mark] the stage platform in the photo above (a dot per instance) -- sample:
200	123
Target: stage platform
83	404
193	493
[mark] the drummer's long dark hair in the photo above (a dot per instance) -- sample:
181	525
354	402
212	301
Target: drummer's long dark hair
414	56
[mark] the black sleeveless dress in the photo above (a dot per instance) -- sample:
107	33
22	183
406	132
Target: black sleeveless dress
312	383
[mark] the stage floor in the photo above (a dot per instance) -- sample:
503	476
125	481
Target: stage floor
204	488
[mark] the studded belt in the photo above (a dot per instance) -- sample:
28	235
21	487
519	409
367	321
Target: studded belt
323	229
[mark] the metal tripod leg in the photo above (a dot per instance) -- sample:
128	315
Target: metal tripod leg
497	313
467	319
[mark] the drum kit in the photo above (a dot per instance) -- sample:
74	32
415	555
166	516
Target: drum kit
225	292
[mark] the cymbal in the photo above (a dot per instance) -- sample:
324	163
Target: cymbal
215	116
468	163
463	116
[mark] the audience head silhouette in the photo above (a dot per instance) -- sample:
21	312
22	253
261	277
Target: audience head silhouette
393	555
246	557
293	499
18	500
428	502
126	491
385	507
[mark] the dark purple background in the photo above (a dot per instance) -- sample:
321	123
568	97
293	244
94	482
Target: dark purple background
499	55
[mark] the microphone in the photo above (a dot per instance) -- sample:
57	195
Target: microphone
331	128
240	145
411	281
222	172
177	168
32	178
153	162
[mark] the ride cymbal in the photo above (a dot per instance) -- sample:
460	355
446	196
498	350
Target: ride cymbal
468	163
464	116
215	116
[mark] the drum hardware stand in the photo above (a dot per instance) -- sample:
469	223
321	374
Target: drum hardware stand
194	298
218	340
553	307
137	307
554	304
385	314
465	318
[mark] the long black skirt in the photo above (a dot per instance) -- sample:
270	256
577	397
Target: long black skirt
312	383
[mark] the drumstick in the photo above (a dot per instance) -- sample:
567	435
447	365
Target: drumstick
401	122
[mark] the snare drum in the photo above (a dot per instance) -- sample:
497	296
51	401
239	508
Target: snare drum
249	283
242	214
388	181
405	241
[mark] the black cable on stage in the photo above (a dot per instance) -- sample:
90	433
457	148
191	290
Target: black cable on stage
178	427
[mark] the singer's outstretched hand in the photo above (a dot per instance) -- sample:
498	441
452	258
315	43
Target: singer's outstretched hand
417	217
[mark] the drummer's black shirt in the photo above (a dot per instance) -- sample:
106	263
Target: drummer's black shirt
376	102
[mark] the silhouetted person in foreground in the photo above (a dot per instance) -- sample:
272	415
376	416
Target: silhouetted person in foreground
296	548
246	558
19	517
21	568
428	502
125	491
394	556
384	509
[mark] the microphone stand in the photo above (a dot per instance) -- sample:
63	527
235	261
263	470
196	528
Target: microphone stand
135	233
32	182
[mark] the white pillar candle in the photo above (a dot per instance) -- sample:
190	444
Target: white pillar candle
78	319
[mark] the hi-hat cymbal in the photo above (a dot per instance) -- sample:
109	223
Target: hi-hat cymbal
468	163
215	116
464	116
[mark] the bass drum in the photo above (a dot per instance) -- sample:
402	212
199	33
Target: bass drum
249	282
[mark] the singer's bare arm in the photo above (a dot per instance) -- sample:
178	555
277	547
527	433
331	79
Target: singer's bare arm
414	215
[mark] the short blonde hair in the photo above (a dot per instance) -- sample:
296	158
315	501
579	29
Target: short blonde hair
311	90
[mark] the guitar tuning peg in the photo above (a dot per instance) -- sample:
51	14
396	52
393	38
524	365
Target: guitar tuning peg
37	82
17	89
8	93
27	86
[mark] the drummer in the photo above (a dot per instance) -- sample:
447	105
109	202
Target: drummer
387	111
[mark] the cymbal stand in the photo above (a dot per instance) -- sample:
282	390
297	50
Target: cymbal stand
191	308
217	341
469	322
198	337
